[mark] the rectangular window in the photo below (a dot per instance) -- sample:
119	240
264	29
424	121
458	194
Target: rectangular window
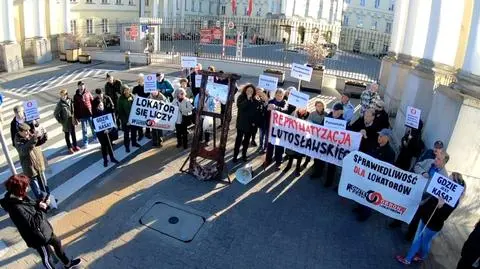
104	25
147	3
377	3
89	1
223	10
185	5
362	3
392	5
374	26
371	45
89	26
193	5
104	2
200	7
360	22
388	28
73	27
118	2
178	5
385	47
345	20
131	2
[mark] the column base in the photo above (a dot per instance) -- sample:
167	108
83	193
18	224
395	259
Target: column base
385	68
11	57
38	50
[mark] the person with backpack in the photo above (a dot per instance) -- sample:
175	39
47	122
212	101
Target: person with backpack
30	219
64	115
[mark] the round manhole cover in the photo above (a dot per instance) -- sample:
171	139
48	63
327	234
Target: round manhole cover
173	220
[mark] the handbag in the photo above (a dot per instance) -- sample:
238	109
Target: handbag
113	134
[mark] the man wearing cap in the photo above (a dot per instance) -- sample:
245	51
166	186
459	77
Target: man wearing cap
113	89
431	153
381	116
164	86
31	160
383	152
348	108
368	97
82	109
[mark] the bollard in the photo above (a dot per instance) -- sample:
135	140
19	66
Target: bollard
128	64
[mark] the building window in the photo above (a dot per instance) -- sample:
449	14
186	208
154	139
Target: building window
385	47
362	3
347	1
185	5
89	1
388	28
104	2
345	20
73	27
377	3
244	11
200	7
392	5
89	26
73	1
147	3
178	4
131	2
104	25
193	5
374	26
222	12
360	22
118	2
371	45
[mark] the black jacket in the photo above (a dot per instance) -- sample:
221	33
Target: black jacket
381	119
113	90
140	91
369	143
30	220
247	113
440	216
108	104
471	248
191	81
14	128
384	153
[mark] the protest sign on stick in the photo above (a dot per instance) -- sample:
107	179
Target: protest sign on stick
153	114
268	83
412	118
445	188
298	99
104	122
31	110
381	186
188	61
150	83
316	141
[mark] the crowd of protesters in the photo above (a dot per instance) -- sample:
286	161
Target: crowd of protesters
254	107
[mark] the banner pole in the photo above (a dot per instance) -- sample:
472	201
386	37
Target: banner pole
428	221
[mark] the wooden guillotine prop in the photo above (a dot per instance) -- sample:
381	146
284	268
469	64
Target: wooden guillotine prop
214	169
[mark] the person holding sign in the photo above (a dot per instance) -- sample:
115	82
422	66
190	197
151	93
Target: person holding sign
317	117
433	214
411	146
64	115
18	119
139	90
164	86
280	104
369	130
157	134
113	89
303	114
104	136
246	120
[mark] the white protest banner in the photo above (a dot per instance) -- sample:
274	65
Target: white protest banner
334	123
268	83
413	117
311	139
188	62
218	91
198	81
445	188
298	99
104	122
31	110
301	72
150	83
153	114
381	186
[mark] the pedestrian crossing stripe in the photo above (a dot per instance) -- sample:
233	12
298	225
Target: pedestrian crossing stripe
57	81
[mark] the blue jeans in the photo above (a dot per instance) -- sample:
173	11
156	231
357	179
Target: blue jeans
263	137
85	122
422	242
35	185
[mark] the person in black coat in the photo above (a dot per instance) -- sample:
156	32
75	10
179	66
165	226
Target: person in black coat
18	119
303	115
262	120
191	80
411	146
104	137
246	120
277	103
369	130
108	104
113	89
381	116
471	250
383	152
30	218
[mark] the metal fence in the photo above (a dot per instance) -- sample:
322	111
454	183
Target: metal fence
353	53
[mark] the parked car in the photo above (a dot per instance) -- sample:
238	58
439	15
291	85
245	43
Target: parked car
112	39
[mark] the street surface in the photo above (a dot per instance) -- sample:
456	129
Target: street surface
276	221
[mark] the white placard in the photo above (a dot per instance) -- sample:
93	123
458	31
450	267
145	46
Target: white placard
445	188
268	83
31	110
302	72
150	83
198	81
335	123
218	91
298	99
413	117
188	61
152	113
104	122
211	79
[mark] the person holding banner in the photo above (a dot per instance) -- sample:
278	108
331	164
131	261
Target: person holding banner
290	108
369	130
317	117
124	105
164	86
433	214
185	109
157	134
471	250
104	137
140	91
348	108
63	113
262	121
280	104
247	106
302	114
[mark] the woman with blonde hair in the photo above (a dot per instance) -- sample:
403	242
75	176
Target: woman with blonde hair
63	113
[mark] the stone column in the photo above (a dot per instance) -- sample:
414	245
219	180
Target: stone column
10	51
66	16
62	40
398	27
37	45
155	8
429	49
141	11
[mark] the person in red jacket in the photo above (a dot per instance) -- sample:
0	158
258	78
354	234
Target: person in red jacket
82	107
